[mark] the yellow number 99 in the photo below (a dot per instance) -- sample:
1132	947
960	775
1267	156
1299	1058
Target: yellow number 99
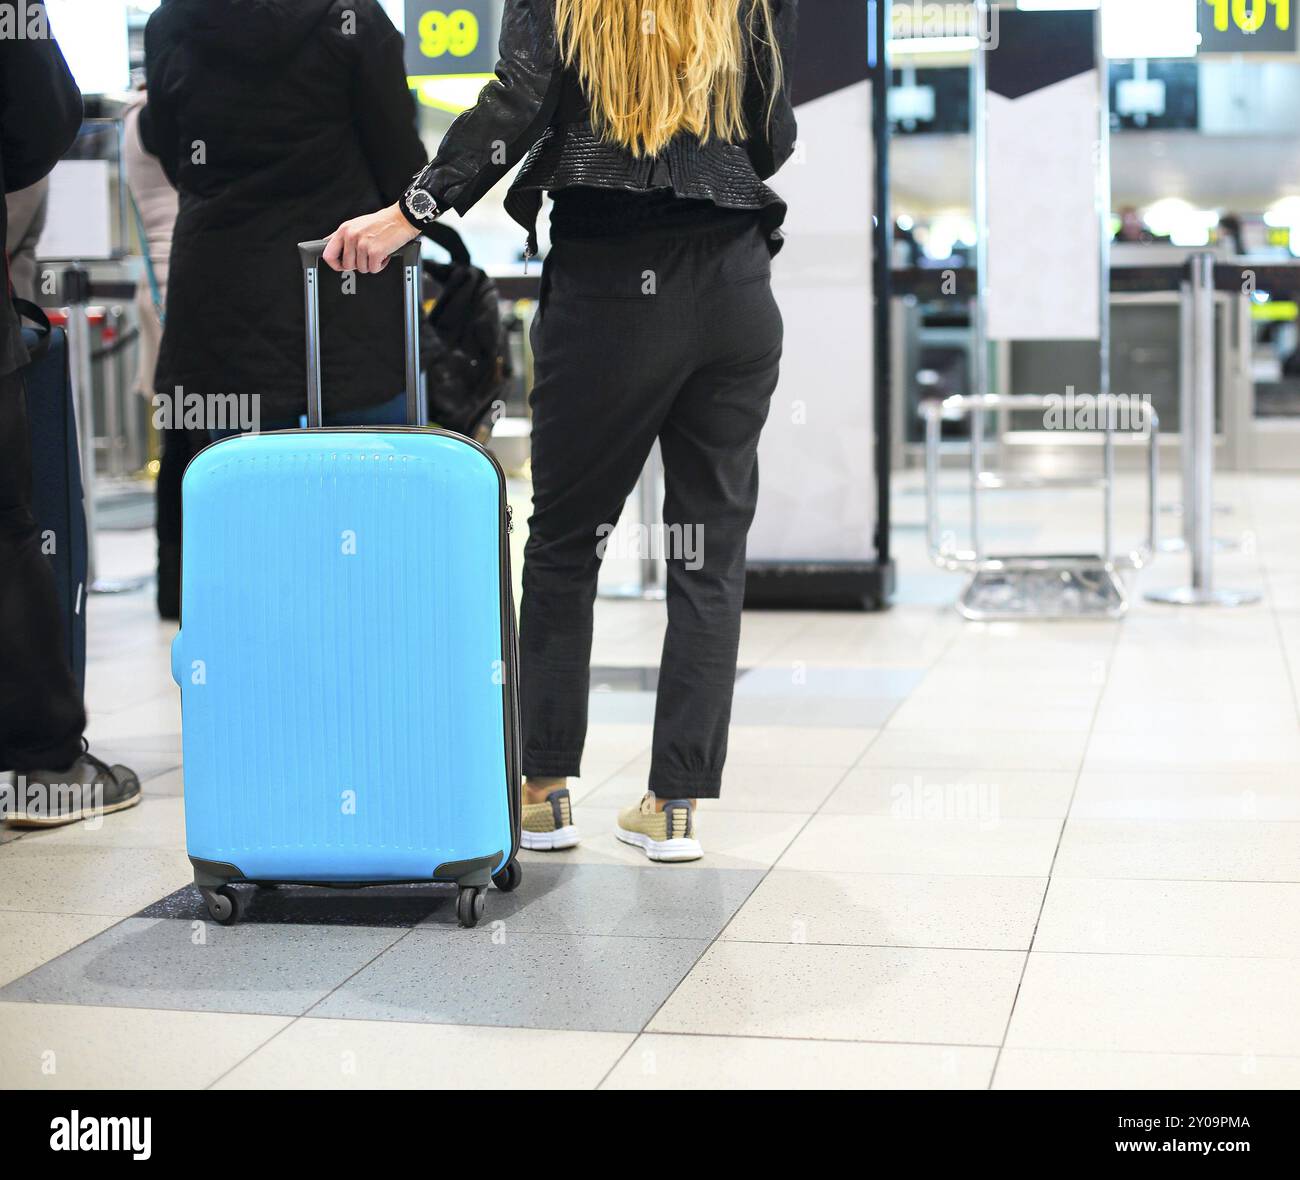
464	32
455	33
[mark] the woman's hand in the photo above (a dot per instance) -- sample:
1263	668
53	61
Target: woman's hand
364	244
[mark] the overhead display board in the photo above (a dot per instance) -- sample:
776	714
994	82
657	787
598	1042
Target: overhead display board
451	37
1247	26
451	49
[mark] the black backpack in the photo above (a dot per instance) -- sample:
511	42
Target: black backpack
470	363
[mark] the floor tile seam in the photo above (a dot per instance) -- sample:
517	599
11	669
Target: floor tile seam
1018	950
1112	653
311	1007
713	941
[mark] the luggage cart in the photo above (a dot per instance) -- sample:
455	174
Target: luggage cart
1047	585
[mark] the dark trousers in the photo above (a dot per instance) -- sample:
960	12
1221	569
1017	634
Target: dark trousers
179	446
674	337
41	714
177	449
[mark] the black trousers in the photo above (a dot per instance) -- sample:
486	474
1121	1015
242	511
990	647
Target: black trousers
179	446
41	714
674	337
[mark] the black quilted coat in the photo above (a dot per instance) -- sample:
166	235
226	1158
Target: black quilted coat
536	108
303	119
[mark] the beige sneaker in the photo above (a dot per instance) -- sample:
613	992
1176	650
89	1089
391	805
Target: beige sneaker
662	835
548	826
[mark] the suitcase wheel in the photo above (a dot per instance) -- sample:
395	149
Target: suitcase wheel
223	905
507	880
469	905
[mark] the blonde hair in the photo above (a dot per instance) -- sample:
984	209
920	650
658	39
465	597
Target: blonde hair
653	68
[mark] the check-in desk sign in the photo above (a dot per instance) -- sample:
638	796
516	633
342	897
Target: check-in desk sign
1247	26
451	37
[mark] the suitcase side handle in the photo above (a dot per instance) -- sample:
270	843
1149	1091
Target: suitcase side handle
310	255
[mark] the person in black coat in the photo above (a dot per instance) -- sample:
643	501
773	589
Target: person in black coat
276	120
42	716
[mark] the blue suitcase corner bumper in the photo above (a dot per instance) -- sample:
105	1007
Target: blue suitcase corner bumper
178	659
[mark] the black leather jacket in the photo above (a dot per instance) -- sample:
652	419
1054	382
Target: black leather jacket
535	107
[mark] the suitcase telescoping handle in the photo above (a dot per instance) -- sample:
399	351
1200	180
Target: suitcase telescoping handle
310	253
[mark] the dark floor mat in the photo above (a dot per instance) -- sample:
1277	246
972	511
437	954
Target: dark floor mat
399	906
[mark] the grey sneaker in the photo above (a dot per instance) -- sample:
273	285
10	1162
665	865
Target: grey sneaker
89	787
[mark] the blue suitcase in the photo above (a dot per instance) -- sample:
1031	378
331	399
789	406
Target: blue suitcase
347	658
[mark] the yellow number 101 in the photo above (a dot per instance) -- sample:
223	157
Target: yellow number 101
1250	15
448	32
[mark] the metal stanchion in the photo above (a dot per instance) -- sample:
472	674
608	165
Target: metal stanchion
126	446
1186	363
113	426
76	294
135	443
651	582
1198	455
981	379
1186	411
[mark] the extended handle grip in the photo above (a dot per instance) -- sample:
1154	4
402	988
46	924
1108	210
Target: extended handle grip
310	252
310	255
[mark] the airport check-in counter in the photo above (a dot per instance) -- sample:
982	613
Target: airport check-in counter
1257	381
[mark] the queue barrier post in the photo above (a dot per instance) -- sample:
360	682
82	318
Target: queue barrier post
1198	431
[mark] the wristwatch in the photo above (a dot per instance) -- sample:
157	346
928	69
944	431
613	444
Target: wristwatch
419	205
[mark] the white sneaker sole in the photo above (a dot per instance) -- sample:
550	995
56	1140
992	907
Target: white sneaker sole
683	848
23	820
566	837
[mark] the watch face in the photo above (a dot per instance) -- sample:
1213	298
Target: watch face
421	203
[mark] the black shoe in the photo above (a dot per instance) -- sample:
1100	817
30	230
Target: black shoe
89	787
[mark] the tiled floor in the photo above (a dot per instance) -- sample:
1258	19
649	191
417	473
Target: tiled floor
948	855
